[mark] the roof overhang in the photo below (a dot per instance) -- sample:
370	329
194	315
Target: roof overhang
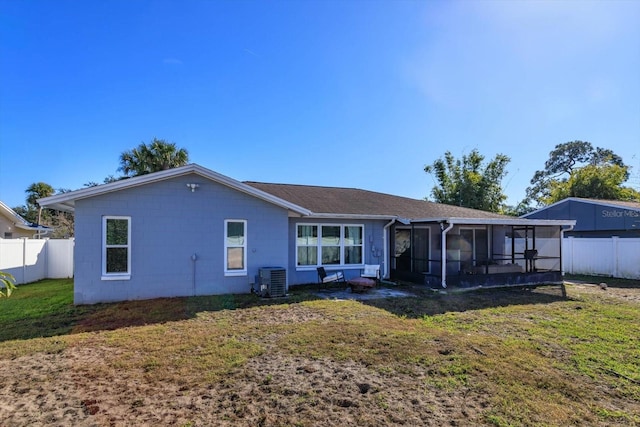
499	221
314	215
66	201
33	227
450	220
20	222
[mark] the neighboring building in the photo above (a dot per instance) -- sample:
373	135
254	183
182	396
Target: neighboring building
13	226
594	218
191	231
605	240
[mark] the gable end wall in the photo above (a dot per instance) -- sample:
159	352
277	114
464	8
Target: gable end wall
169	224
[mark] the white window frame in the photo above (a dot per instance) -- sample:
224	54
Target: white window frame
235	272
342	246
119	275
316	245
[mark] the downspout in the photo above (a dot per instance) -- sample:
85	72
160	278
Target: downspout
443	252
385	248
39	218
562	230
41	232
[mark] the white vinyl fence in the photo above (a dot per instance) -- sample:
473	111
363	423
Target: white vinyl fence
613	257
29	260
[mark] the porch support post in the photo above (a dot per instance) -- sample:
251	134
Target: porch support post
443	253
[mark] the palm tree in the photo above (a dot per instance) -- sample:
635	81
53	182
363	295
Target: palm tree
159	155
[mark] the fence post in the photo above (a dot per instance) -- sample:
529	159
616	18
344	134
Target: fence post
45	248
614	251
24	260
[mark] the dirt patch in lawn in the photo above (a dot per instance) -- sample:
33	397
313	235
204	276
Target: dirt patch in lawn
604	289
77	388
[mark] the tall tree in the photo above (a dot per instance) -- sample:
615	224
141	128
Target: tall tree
109	179
469	181
61	222
570	170
594	182
158	155
34	192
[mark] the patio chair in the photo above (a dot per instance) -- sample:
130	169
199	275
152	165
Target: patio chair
530	256
371	271
323	277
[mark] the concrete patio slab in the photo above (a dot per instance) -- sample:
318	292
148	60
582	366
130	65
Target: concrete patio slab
375	293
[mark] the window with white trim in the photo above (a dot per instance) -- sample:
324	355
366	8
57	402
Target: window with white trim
116	247
329	244
307	245
235	247
353	244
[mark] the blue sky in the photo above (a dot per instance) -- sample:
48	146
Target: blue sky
340	93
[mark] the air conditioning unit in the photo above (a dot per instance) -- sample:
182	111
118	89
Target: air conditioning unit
273	282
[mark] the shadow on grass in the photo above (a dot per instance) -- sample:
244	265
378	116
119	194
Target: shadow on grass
36	314
63	318
429	303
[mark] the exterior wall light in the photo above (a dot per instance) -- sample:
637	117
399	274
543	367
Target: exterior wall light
193	187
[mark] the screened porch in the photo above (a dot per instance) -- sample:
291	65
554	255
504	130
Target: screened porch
478	253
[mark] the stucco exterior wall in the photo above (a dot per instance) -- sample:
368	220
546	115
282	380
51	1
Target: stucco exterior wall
8	226
373	237
169	224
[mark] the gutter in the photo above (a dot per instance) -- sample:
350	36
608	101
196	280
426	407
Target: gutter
496	221
569	228
443	251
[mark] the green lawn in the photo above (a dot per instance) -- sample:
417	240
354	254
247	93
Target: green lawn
39	309
45	309
530	357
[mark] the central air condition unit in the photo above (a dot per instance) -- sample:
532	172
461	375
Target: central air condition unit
273	282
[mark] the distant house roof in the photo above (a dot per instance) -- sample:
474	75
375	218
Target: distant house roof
600	202
20	222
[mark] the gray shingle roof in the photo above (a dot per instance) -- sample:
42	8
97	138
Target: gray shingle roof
346	201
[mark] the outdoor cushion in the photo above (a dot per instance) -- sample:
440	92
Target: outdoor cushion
333	277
